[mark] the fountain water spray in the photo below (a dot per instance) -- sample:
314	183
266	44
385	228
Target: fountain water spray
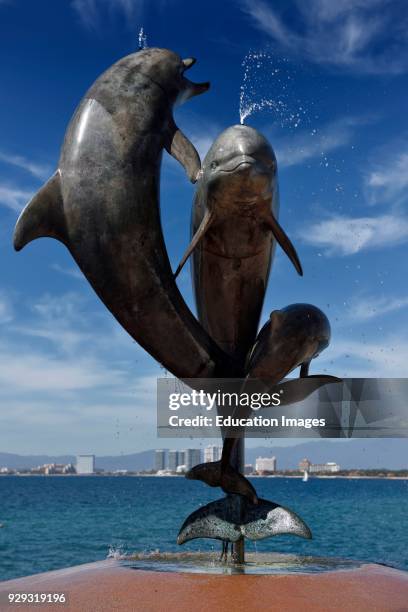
263	73
142	39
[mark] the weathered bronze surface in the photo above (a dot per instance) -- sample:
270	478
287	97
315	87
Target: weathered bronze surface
291	338
235	228
103	204
224	520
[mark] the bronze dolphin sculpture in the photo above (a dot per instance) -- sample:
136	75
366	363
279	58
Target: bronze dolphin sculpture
292	337
224	520
235	229
103	204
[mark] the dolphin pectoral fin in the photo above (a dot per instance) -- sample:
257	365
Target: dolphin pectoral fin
179	147
284	242
200	233
298	389
226	520
43	216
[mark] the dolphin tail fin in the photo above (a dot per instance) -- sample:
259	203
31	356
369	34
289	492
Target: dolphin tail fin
231	519
43	216
215	474
284	242
200	233
179	147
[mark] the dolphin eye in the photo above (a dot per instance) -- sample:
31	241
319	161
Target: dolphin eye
214	165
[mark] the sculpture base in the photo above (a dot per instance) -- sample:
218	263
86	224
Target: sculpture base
111	585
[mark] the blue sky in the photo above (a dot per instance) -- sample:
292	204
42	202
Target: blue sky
70	379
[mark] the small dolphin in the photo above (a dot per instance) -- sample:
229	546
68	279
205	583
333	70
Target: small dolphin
291	338
235	229
103	204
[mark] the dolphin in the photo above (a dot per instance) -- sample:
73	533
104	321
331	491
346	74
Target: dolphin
235	230
102	203
292	337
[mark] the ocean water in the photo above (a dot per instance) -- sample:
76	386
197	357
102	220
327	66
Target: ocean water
54	522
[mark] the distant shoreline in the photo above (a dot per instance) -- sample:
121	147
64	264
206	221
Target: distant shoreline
134	475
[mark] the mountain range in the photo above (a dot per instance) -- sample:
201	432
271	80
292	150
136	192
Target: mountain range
349	454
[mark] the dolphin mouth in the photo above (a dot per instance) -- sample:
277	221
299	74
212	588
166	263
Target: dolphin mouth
246	161
195	89
192	89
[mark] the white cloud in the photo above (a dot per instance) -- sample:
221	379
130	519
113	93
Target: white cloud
368	308
343	33
36	372
65	338
41	171
350	358
6	312
14	197
72	272
313	143
387	182
73	357
68	369
341	235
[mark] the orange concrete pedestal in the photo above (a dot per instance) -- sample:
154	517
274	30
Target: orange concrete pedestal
108	585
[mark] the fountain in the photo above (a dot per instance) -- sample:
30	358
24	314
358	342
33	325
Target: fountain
112	229
102	203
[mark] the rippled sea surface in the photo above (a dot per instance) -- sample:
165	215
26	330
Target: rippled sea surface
53	522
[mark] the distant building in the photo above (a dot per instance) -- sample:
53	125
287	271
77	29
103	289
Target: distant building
57	468
316	468
160	460
265	464
182	457
85	464
304	465
192	456
249	468
330	466
173	460
212	453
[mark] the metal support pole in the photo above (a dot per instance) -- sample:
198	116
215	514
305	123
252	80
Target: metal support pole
238	462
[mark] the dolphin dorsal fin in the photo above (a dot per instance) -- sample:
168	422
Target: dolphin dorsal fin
179	147
43	216
200	233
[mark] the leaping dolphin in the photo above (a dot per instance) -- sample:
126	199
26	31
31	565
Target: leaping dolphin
103	204
235	229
